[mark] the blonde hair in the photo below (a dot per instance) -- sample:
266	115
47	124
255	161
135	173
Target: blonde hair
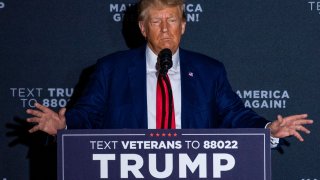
144	5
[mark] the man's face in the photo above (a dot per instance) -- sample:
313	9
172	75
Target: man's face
163	28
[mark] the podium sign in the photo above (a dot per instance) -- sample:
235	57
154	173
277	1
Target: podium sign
166	154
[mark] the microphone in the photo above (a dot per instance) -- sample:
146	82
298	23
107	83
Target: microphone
164	61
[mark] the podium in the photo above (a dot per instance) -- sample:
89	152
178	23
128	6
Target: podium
235	154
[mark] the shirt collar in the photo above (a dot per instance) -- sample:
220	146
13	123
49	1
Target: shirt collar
151	58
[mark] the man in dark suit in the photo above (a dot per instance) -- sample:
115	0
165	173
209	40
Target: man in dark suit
122	90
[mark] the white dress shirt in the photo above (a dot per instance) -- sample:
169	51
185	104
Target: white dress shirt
175	80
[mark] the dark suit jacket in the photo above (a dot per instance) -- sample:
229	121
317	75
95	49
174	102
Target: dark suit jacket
116	95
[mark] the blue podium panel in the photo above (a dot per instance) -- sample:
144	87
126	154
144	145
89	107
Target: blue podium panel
164	154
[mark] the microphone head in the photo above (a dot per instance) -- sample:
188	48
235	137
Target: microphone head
165	60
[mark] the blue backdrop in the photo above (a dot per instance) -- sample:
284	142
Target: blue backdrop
47	48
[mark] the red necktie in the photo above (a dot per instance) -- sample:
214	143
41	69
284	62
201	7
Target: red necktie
165	106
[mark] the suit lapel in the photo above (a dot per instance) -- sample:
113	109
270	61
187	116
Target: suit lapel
189	93
137	76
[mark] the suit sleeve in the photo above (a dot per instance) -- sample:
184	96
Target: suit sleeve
231	108
88	110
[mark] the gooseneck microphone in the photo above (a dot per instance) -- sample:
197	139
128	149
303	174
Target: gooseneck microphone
164	61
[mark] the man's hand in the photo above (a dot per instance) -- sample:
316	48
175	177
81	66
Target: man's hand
290	126
47	120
